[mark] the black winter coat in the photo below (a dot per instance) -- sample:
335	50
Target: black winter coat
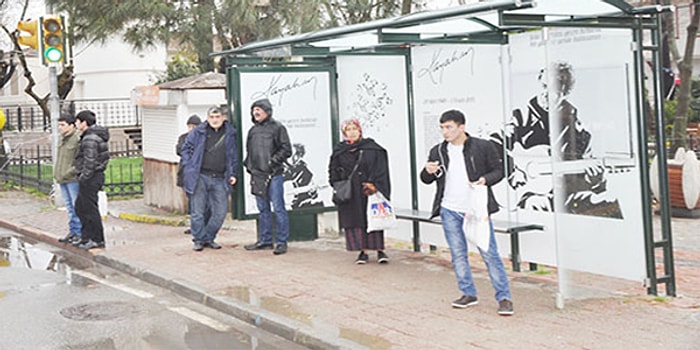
268	147
373	168
93	153
481	159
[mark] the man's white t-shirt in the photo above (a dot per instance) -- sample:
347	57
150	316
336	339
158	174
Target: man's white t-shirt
456	181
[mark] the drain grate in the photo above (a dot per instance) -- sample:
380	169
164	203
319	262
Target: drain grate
101	311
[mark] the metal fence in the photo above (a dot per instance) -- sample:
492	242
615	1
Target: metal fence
109	112
34	168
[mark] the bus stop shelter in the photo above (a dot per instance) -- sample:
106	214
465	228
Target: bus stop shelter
560	86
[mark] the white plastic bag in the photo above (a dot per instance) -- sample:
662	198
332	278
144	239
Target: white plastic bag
380	213
102	203
476	223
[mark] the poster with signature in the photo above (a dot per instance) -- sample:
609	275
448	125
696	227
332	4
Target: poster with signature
301	101
463	77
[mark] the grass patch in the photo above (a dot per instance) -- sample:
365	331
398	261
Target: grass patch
119	170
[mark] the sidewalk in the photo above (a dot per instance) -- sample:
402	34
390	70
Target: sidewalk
316	296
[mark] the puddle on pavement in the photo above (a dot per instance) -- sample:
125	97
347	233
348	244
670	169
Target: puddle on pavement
19	252
285	308
273	304
371	341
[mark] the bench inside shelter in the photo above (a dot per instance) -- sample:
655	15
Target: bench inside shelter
500	226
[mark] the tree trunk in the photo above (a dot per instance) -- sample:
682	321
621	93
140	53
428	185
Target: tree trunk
406	6
685	68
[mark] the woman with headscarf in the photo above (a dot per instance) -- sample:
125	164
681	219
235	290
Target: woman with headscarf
371	175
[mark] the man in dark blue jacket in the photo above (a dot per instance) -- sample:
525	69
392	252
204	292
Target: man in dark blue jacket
455	164
209	167
268	147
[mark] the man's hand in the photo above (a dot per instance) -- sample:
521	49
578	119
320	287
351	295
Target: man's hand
232	180
480	182
432	167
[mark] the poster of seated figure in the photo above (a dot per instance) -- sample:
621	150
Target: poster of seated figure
301	102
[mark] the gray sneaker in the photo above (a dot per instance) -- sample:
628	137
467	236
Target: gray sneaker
464	301
505	307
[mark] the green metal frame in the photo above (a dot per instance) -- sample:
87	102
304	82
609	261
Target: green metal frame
234	98
638	19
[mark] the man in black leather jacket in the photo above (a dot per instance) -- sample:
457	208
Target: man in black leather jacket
268	147
90	164
457	164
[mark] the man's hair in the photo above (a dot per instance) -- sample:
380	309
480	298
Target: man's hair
453	115
564	79
68	118
87	116
213	110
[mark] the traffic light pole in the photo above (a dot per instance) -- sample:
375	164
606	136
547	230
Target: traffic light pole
55	110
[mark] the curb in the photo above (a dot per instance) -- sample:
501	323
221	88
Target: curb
284	327
149	219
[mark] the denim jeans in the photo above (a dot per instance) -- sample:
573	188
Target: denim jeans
69	193
275	195
210	193
454	234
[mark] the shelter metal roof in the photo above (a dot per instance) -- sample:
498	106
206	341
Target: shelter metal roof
464	23
208	80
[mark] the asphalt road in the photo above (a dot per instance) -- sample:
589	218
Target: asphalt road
50	299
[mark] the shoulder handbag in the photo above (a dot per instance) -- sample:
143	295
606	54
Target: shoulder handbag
342	189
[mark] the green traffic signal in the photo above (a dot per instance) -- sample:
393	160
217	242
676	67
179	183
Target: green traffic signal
53	55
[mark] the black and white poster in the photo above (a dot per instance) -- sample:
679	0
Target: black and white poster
570	141
301	101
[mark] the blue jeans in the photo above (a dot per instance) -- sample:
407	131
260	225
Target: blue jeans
210	193
275	195
454	234
69	192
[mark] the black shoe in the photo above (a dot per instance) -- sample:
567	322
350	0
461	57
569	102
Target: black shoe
69	238
465	301
212	245
78	242
198	246
505	307
258	246
382	258
91	245
362	258
280	249
75	239
188	231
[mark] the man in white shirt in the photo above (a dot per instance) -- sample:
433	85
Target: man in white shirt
455	164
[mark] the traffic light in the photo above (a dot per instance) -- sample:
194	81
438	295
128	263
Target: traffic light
31	27
53	39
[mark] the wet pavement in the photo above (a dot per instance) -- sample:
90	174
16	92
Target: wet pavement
317	297
52	299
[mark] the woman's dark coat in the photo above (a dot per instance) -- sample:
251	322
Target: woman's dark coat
373	168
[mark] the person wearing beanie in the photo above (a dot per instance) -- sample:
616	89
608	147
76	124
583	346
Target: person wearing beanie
90	165
192	122
65	175
210	169
267	148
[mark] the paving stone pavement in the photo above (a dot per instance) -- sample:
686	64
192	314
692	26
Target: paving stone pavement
316	296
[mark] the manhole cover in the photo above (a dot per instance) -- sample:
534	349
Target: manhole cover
100	311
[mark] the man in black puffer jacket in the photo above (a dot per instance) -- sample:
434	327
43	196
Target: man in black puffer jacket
268	147
90	165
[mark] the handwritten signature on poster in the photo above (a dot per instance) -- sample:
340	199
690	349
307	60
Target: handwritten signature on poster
277	89
438	63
